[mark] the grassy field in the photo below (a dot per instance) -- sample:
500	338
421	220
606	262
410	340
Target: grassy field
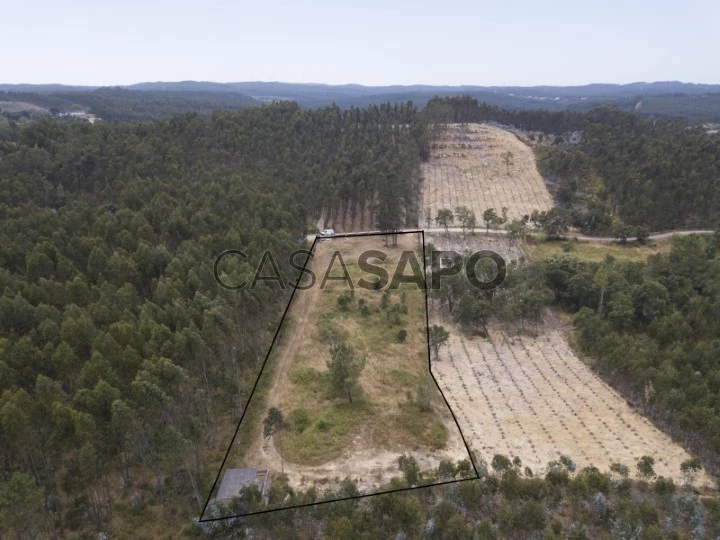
597	251
370	322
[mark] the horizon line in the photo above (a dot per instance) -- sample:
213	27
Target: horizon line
489	86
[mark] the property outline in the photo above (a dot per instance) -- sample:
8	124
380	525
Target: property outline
262	369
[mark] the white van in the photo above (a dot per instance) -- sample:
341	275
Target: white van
327	233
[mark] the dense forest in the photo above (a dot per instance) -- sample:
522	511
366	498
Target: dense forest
124	366
660	174
132	106
654	327
122	363
128	106
693	108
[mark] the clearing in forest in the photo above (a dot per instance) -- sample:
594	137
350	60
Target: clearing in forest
532	397
357	431
482	166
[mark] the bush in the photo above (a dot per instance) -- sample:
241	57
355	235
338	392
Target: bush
642	234
299	420
527	518
557	475
568	462
501	463
364	308
410	469
424	395
568	246
402	335
329	333
648	513
664	486
344	300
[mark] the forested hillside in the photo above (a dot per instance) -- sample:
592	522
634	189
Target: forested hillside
123	365
466	109
655	328
659	174
617	168
693	102
131	106
651	328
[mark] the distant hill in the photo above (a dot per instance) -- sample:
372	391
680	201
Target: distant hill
150	100
312	94
356	90
44	88
132	105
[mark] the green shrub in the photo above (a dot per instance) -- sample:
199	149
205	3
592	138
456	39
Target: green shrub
299	420
568	246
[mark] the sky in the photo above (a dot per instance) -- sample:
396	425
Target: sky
369	42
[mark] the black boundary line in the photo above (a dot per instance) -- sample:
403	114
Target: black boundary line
373	233
262	368
427	329
354	497
267	356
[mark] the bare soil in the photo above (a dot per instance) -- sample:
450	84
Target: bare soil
477	241
532	397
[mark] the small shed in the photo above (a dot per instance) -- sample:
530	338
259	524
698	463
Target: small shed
236	479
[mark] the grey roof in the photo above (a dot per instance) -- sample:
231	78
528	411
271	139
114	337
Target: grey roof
236	479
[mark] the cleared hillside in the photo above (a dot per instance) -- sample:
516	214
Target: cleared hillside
533	398
470	166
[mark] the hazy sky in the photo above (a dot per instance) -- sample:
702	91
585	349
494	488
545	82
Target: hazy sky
367	41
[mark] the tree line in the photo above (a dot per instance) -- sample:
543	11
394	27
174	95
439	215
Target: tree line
509	500
464	109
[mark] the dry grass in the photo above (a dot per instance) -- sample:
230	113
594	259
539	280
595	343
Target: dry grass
466	169
597	251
